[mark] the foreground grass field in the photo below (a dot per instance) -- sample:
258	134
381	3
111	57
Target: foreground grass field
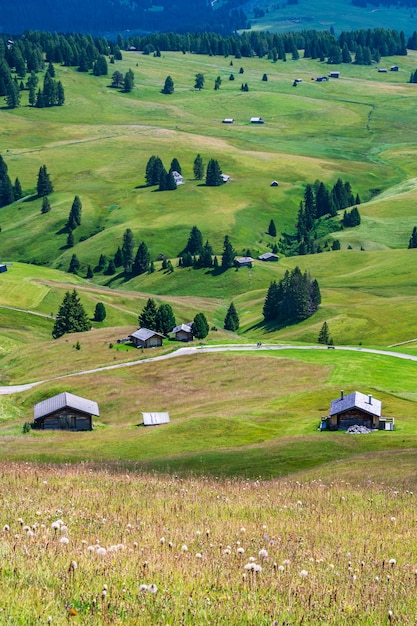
84	545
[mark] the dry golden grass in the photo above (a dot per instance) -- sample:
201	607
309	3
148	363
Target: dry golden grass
93	546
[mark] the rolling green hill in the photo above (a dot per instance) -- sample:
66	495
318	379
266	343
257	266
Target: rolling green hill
360	127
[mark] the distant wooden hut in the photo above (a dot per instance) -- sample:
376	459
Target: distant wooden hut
3	268
65	411
256	120
243	261
145	338
183	332
268	256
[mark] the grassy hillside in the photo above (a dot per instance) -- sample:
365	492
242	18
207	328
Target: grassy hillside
337	14
254	413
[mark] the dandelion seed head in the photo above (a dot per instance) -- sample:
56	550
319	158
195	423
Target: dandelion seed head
64	541
281	568
6	528
392	562
143	587
303	573
184	548
101	551
152	588
241	550
170	544
263	554
227	550
162	541
198	555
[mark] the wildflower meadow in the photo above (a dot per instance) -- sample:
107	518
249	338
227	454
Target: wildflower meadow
87	545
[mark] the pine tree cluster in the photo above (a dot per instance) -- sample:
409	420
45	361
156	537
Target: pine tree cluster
351	218
295	298
196	254
319	202
160	319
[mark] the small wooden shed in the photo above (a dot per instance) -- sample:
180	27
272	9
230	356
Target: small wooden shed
268	256
256	120
243	261
354	408
183	332
155	419
145	338
65	411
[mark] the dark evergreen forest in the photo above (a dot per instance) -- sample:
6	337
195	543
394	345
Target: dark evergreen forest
108	17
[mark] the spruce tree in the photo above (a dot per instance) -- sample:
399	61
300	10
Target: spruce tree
198	167
71	317
272	229
199	81
165	319
74	265
213	174
17	189
128	250
100	312
90	273
175	166
147	319
74	217
70	239
200	326
46	207
118	258
231	321
168	87
324	335
229	253
195	242
44	185
142	260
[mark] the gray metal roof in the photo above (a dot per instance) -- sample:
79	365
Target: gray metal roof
268	255
145	333
244	259
357	400
185	327
153	419
63	400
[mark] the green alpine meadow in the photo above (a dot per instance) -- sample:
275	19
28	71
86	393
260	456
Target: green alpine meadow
208	279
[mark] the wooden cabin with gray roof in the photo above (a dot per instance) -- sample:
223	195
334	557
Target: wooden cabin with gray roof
65	411
356	409
145	338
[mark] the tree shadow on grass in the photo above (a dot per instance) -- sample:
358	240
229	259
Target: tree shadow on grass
121	276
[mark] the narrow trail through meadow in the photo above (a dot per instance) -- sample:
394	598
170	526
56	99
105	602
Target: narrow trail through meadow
190	350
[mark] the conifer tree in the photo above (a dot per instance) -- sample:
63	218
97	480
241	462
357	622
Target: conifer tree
17	189
175	166
272	229
213	174
44	185
100	312
147	319
200	326
165	319
71	317
324	335
229	253
198	168
74	265
231	321
46	207
168	87
90	273
413	239
195	242
128	250
142	260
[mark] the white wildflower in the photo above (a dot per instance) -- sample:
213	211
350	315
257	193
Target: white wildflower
101	551
184	548
303	573
64	540
152	588
263	554
392	562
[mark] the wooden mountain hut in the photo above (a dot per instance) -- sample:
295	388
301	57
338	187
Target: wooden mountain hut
65	411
